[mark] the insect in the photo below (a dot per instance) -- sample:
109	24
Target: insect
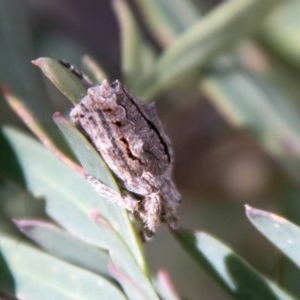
128	135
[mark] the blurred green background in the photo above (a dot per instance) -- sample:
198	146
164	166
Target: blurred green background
236	135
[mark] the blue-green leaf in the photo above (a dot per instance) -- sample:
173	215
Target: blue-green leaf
215	32
168	18
138	58
63	245
259	102
281	32
69	84
71	202
94	165
37	275
227	268
283	234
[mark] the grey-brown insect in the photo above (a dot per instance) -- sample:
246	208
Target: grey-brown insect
131	140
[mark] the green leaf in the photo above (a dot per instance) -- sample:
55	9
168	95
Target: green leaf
225	25
165	287
64	190
168	18
94	165
85	152
72	203
93	69
17	72
227	268
259	102
69	84
283	234
38	275
16	202
138	57
65	246
281	32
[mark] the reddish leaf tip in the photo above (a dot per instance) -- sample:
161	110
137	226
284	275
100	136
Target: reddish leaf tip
247	207
249	210
94	214
254	212
35	62
57	116
22	225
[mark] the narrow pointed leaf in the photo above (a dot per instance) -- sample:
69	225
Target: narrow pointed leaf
94	165
64	190
65	246
165	286
38	275
226	24
259	103
31	122
69	84
70	202
85	152
137	56
281	32
283	234
16	71
94	70
227	268
126	270
168	18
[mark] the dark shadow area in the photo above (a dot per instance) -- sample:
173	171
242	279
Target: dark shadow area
9	167
249	284
242	281
15	200
7	283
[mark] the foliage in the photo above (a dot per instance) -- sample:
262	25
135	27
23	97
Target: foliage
89	248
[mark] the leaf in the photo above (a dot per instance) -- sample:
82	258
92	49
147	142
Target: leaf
64	190
95	71
138	57
85	152
281	32
283	234
13	198
17	105
165	286
65	246
228	269
168	18
94	165
69	84
16	71
72	203
38	275
260	103
217	31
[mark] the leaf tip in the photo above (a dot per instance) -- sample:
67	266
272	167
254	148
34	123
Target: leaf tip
247	208
251	212
22	225
258	213
37	62
164	280
57	117
98	218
